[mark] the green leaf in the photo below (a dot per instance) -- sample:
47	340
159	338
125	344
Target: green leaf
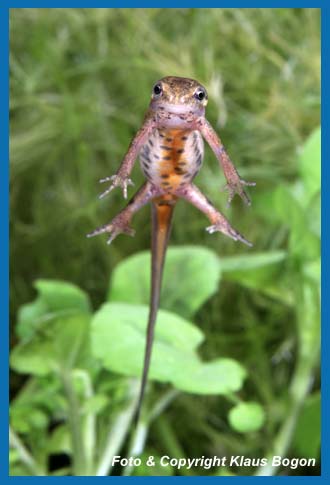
221	376
118	339
60	440
54	298
95	404
246	417
60	347
33	357
310	163
25	418
307	436
118	333
191	276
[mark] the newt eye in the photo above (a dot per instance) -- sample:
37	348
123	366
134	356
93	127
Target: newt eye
200	94
157	91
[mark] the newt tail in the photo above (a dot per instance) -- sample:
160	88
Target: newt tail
162	212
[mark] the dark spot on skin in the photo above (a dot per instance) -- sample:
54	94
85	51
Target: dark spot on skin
182	164
163	147
169	139
156	156
150	143
166	158
146	150
187	175
165	184
145	160
161	134
165	176
184	137
180	150
179	171
199	160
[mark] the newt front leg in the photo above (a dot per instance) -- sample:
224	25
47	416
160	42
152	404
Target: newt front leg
235	185
121	178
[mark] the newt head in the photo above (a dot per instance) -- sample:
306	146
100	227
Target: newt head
178	100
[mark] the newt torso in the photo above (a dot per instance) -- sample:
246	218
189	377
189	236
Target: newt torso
172	158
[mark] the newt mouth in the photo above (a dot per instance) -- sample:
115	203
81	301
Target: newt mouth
177	109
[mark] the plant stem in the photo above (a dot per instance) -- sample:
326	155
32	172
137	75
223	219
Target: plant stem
25	456
137	445
298	390
89	434
141	432
118	432
78	451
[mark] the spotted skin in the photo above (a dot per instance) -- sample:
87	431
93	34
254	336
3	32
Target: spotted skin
170	147
172	158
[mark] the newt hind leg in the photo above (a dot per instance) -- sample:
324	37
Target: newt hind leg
121	222
219	223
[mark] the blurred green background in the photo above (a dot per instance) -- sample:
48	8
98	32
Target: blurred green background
80	83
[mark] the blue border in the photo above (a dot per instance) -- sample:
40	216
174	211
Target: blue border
169	4
4	207
4	239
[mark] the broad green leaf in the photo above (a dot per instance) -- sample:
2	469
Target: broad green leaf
220	376
246	417
33	357
191	276
54	298
118	335
118	339
60	347
310	163
307	436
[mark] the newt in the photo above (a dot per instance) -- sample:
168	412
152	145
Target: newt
171	149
